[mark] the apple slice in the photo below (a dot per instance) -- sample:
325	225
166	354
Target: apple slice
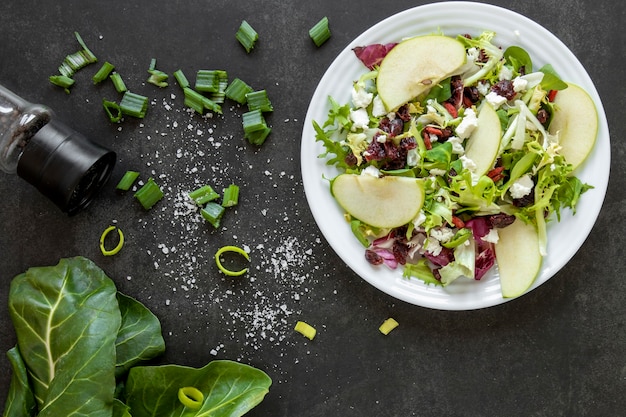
576	121
416	65
380	202
518	257
484	143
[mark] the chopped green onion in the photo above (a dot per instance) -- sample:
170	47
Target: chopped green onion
110	107
86	50
237	91
234	249
77	60
158	78
387	326
103	72
258	137
193	99
213	213
207	81
62	81
191	397
253	121
305	330
246	36
181	79
320	33
149	194
134	104
127	180
211	105
254	127
199	103
222	83
231	196
119	245
203	195
258	100
118	83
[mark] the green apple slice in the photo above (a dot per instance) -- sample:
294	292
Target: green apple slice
385	202
576	121
518	256
415	65
484	143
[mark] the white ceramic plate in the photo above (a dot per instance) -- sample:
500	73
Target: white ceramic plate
451	18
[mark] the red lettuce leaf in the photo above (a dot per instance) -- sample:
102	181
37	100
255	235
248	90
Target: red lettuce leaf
372	55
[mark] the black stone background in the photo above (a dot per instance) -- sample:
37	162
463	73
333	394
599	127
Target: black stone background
557	351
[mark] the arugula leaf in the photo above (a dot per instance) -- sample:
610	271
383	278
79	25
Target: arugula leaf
66	318
230	389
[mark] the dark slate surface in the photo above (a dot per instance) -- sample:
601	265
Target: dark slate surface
558	351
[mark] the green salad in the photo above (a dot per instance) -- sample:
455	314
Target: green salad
485	137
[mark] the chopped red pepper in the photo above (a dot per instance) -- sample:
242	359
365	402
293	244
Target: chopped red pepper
458	223
433	131
496	174
552	95
451	109
427	141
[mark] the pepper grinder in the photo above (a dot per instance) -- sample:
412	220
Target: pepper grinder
61	163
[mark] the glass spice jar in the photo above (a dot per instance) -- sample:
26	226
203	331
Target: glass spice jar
61	163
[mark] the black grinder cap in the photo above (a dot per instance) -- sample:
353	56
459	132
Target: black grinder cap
65	166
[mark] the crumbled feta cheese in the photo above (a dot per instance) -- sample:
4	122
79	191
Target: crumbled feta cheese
473	54
381	138
495	99
519	84
468	124
457	145
378	107
360	119
371	170
521	187
432	245
483	87
506	73
491	237
421	218
361	98
442	234
468	163
438	172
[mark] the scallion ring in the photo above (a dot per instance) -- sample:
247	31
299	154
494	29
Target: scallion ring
120	243
234	249
191	397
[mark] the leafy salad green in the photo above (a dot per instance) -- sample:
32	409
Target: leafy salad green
427	138
80	346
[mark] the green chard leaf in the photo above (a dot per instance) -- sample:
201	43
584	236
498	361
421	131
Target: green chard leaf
139	337
66	319
20	400
230	389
